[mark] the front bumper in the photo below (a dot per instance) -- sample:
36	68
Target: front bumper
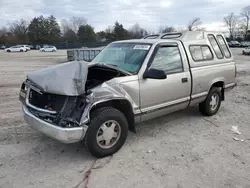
64	135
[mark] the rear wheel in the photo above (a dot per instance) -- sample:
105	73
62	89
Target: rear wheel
8	50
107	132
212	103
21	50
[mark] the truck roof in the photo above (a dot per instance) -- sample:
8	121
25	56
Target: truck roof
185	36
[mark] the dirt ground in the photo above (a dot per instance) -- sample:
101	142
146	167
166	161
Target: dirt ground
181	150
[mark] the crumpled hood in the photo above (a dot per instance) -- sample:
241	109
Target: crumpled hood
64	79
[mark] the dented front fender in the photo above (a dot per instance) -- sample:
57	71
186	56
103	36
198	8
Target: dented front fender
113	90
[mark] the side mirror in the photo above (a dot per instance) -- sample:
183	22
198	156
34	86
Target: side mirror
154	74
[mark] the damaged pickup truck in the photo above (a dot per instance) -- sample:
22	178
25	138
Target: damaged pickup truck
128	82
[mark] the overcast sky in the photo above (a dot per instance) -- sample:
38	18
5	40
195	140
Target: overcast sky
150	14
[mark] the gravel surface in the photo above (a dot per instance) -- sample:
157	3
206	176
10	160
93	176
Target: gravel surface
181	150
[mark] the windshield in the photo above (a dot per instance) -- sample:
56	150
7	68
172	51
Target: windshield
126	56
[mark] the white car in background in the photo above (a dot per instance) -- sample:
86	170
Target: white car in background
246	51
48	49
17	48
27	47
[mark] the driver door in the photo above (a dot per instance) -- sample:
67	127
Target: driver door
163	96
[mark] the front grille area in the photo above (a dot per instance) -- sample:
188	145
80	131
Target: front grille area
60	110
46	101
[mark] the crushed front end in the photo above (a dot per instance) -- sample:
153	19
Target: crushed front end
57	100
57	116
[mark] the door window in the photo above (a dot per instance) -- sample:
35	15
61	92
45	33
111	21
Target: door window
168	59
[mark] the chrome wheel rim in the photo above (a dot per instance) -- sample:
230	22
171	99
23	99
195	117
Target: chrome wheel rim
214	102
108	134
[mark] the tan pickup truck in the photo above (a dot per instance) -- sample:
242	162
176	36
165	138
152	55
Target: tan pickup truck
128	82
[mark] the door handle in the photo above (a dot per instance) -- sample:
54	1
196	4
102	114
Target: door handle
183	80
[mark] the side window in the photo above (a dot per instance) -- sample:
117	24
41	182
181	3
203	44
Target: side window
223	46
206	52
201	53
215	46
168	59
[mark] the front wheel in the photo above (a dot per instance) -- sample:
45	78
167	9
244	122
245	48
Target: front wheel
21	50
107	132
212	103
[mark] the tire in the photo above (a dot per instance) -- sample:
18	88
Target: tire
8	50
243	53
99	118
206	108
21	50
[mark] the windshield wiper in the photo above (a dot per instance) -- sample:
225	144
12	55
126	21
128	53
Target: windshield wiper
115	67
112	65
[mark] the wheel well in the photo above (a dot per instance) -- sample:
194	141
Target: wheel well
221	85
122	105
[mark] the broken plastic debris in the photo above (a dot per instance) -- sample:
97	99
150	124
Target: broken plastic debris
235	130
242	140
236	139
149	151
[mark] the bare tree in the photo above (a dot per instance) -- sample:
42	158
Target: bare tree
19	30
245	13
69	35
3	35
231	22
194	24
3	32
166	29
137	32
65	26
76	22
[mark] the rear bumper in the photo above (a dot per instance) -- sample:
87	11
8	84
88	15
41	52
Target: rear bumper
64	135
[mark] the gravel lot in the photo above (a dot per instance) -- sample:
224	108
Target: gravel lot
181	150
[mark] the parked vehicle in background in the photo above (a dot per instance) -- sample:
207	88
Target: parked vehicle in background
48	49
246	51
235	44
27	47
128	82
245	44
31	47
17	48
38	47
229	44
2	47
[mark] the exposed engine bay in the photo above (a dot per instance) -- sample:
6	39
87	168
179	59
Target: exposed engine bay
69	109
99	74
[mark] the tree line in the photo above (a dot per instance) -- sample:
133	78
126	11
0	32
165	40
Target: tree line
46	30
238	25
